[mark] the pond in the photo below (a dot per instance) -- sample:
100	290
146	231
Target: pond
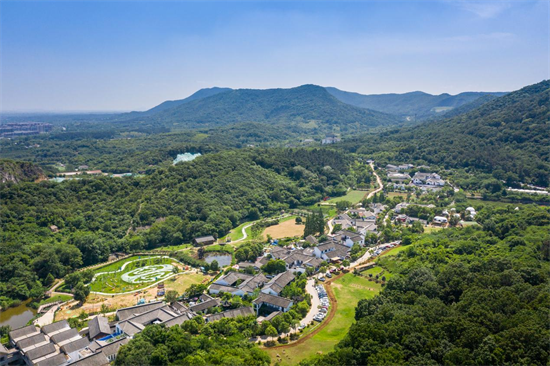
223	259
185	157
18	316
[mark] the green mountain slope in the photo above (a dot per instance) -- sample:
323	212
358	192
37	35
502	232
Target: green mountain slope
421	104
305	107
19	171
508	135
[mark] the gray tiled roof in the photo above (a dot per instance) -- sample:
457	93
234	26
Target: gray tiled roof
204	305
64	336
110	348
96	359
273	300
204	239
125	313
41	351
244	311
32	340
179	319
75	346
56	360
22	332
233	277
55	327
278	282
99	325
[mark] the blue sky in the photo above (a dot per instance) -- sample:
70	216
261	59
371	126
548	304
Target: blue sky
132	55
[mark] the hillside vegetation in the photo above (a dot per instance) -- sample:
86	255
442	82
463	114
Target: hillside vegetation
96	216
475	296
19	171
414	104
508	137
307	107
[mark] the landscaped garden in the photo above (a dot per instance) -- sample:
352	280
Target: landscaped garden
132	274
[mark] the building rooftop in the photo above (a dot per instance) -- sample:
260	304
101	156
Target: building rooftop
131	311
41	351
57	360
75	345
99	325
56	327
24	332
273	300
96	359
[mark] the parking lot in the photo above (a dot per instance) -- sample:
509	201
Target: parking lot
324	303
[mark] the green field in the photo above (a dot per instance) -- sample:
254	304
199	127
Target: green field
174	248
348	290
237	233
353	196
54	299
143	271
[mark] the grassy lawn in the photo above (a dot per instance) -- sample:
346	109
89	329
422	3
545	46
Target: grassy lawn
54	299
137	268
348	291
353	196
174	248
237	233
394	251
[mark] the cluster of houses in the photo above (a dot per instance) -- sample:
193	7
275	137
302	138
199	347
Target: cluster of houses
398	175
58	344
442	219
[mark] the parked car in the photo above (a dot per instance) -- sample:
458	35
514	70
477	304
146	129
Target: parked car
329	275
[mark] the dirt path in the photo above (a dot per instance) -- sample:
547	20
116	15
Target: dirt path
244	233
132	220
378	180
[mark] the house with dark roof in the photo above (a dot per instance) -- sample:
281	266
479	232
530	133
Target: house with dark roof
349	238
204	240
202	307
38	354
99	327
231	278
65	337
57	360
54	328
243	311
270	317
125	313
312	240
273	302
332	251
109	349
94	359
22	333
277	283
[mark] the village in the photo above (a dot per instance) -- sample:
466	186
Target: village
286	287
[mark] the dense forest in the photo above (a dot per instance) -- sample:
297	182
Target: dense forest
308	107
416	105
473	296
207	196
509	134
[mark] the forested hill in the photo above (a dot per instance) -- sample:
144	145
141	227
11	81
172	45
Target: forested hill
474	296
508	137
19	171
202	93
419	104
306	107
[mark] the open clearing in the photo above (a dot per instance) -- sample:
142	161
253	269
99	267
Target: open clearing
286	228
348	290
353	196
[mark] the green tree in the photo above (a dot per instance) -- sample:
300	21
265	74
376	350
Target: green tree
81	292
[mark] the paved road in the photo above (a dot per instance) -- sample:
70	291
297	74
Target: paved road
47	318
315	302
244	233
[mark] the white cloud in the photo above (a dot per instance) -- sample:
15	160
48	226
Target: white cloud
485	8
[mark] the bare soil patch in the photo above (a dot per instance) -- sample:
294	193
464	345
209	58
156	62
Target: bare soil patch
284	229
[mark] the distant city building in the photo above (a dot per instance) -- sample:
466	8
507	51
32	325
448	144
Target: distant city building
24	129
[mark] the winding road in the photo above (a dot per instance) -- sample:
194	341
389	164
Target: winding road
378	180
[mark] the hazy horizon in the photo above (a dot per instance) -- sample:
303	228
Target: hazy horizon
77	57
